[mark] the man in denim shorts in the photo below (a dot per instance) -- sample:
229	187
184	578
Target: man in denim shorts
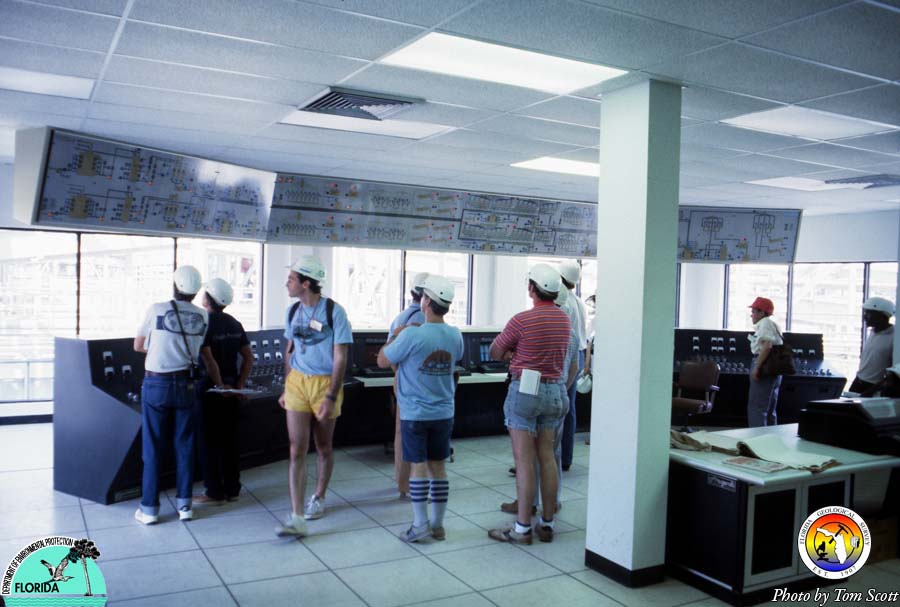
425	357
535	342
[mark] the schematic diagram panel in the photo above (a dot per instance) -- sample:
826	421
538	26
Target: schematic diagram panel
727	235
98	184
338	211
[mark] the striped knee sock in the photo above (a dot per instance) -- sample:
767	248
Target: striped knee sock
440	491
418	495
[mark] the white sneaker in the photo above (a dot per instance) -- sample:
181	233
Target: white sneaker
315	508
294	527
185	514
144	518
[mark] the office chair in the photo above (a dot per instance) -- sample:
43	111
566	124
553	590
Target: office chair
695	391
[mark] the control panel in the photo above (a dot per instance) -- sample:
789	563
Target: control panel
117	369
367	344
478	353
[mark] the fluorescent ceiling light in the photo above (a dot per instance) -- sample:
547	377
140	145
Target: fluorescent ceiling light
810	124
391	128
806	185
45	84
495	63
560	165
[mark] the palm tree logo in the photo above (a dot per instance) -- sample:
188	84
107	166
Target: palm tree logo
82	550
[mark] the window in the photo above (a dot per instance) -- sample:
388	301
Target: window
367	283
237	262
454	267
746	282
121	276
883	280
828	299
588	278
37	303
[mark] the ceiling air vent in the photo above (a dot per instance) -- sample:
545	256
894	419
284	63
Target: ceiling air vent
870	181
357	104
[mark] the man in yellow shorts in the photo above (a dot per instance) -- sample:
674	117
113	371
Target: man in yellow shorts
318	335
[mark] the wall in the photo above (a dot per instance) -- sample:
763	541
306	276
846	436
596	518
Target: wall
849	237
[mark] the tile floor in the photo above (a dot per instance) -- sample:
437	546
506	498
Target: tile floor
230	556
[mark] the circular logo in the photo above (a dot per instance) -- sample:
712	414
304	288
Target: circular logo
55	571
834	542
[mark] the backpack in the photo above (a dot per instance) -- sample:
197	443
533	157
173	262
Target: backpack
329	311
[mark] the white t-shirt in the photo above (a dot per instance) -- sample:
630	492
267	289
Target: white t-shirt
577	313
877	355
165	346
766	329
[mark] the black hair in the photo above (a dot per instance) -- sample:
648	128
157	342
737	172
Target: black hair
541	294
213	303
569	285
416	295
179	296
437	308
314	284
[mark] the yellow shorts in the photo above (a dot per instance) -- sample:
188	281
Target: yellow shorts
304	393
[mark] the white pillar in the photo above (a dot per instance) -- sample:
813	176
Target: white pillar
632	396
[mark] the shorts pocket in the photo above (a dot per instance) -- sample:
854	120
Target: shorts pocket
527	405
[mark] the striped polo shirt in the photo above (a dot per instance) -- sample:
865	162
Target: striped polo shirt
539	337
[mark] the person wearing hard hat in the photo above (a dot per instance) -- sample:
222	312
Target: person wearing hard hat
878	349
570	273
762	399
411	316
535	343
225	343
318	335
171	335
425	358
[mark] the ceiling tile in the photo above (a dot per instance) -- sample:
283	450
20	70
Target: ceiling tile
176	140
546	130
730	18
50	59
709	104
236	109
28	102
724	136
104	7
579	31
191	48
700	153
748	70
408	11
327	137
879	103
496	141
573	110
74	29
303	148
18	119
126	70
582	155
447	89
282	22
429	150
442	113
768	166
834	155
172	119
856	37
888	143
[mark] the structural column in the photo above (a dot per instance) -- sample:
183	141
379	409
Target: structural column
632	395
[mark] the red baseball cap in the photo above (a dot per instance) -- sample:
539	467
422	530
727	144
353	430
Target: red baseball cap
761	303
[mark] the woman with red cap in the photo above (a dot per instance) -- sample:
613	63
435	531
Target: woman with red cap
763	397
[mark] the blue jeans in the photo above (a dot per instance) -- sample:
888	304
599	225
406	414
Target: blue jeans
762	401
167	412
568	437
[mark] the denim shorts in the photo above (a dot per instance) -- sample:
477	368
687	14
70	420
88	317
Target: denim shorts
425	439
532	414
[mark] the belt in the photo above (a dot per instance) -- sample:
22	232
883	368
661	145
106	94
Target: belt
182	373
544	380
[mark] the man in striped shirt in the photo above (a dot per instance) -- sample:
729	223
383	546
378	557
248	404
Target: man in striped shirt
535	341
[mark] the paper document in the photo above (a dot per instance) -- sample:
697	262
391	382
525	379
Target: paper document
769	447
530	382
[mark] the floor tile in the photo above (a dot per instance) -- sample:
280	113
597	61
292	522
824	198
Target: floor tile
461	534
495	565
565	552
402	582
670	592
388	512
121	514
206	597
263	560
18	440
493	520
467	600
574	512
495	474
337	519
214	531
473	501
472	459
314	589
143	540
561	590
37	497
145	576
17	479
365	489
43	522
891	566
358	547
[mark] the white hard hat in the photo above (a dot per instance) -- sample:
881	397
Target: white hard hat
438	289
187	280
570	270
419	281
545	277
311	267
561	297
220	291
880	304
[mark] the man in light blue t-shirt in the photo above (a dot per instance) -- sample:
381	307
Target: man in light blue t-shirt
425	358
